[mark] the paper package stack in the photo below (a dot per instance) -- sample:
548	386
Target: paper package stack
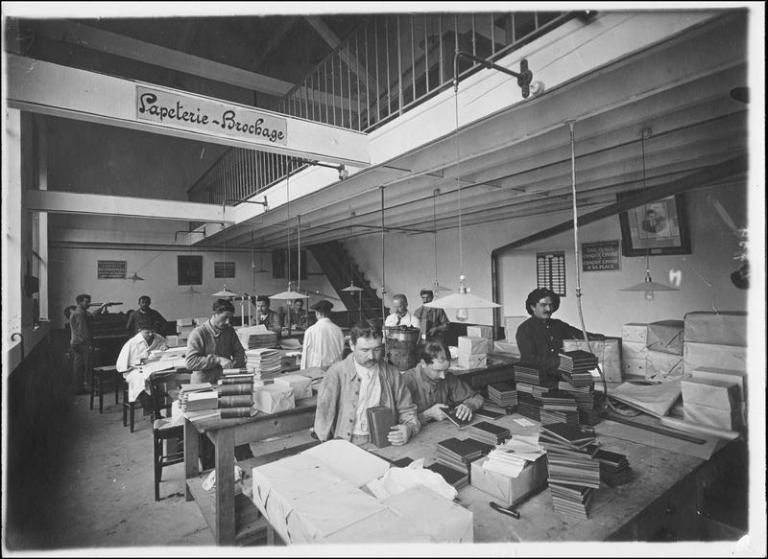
559	406
652	351
255	337
712	402
198	401
184	327
511	324
482	332
573	474
473	352
266	363
575	367
715	348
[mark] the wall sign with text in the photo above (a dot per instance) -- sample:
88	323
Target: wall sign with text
600	256
189	112
223	269
111	269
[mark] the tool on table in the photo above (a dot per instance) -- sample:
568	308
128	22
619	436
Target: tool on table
509	511
655	429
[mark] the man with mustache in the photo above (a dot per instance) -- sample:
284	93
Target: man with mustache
540	338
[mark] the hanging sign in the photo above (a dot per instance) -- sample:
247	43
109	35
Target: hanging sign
189	112
600	256
110	269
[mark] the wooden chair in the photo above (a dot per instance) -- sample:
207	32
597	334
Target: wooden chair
106	374
163	430
129	409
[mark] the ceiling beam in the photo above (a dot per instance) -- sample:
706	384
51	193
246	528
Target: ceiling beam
121	206
134	49
275	38
327	34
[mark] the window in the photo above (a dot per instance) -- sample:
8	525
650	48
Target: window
550	271
280	264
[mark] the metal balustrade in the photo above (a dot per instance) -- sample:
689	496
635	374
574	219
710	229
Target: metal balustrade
387	66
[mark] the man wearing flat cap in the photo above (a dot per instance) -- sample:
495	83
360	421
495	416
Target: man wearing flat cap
323	341
434	322
266	316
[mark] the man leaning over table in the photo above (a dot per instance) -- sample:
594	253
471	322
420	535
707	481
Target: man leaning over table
133	353
214	345
364	380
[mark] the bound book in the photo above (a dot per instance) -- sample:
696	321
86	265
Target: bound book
229	413
489	433
451	476
453	418
235	401
234	389
236	379
380	421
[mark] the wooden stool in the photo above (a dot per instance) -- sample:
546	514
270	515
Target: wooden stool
100	374
162	430
129	409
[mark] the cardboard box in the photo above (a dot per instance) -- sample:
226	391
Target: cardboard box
608	353
729	376
472	361
316	497
508	490
724	328
511	323
481	332
706	415
272	398
301	385
469	345
663	366
666	336
697	355
634	359
712	393
635	332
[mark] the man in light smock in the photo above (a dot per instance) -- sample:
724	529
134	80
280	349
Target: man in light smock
323	341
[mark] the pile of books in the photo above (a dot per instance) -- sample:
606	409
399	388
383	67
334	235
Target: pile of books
588	401
573	473
457	454
198	400
451	476
236	394
558	407
488	433
535	390
255	337
502	394
614	467
267	363
530	374
528	406
575	367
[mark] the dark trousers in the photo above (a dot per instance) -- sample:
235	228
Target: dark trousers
81	365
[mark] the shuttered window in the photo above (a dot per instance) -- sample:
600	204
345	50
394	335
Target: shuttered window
550	271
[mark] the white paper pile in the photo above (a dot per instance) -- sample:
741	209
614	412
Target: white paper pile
511	457
264	362
254	337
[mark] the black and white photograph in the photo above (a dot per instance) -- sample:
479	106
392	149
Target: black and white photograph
383	279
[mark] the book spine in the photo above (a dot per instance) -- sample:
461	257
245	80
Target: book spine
235	389
227	413
235	401
236	379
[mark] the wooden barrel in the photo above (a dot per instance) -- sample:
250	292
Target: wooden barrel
402	344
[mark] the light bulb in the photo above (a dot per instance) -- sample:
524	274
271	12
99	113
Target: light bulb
649	295
462	315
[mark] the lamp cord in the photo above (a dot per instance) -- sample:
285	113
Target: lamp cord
458	164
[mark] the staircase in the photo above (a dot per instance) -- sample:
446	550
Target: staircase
336	263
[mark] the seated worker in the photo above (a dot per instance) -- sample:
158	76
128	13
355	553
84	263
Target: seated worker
361	381
298	317
540	338
323	341
134	352
265	316
433	389
145	317
214	345
434	322
400	315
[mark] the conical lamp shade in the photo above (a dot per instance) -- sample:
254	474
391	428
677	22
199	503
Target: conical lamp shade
225	293
289	295
649	286
461	301
136	277
352	288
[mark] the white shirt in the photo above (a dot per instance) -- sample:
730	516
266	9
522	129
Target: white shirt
137	349
408	319
323	345
370	396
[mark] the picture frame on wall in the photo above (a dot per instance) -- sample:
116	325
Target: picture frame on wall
657	228
190	269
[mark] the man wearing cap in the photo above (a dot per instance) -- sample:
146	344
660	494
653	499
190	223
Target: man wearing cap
323	341
434	322
400	315
266	316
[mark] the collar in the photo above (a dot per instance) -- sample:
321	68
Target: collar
363	372
214	330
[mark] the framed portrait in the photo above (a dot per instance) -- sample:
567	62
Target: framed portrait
190	269
658	227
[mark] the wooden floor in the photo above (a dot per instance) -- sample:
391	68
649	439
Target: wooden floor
97	490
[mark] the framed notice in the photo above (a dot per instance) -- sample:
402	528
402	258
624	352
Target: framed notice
111	269
190	269
659	227
223	269
550	271
600	257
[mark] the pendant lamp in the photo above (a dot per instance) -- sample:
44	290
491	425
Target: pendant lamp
224	293
463	300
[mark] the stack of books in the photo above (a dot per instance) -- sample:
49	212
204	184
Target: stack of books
264	362
236	394
588	401
558	407
530	374
502	394
457	454
573	473
549	416
529	406
255	337
451	476
575	367
614	467
535	390
488	433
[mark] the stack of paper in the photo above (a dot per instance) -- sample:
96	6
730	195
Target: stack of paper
184	327
511	457
457	454
198	400
502	394
254	337
488	433
614	467
575	367
265	362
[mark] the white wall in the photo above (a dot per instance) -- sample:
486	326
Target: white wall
705	283
74	271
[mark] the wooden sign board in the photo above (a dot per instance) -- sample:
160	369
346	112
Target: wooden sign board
111	269
600	256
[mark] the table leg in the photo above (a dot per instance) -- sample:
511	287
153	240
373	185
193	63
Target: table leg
225	487
191	453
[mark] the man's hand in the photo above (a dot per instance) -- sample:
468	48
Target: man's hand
226	363
436	412
398	435
463	412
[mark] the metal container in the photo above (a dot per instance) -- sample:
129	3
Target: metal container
402	346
